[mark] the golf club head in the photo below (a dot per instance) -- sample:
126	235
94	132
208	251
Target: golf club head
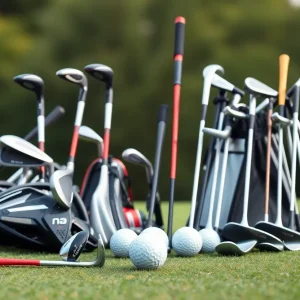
208	74
235	113
31	82
15	151
88	134
268	247
277	118
222	134
290	92
101	72
71	250
258	88
136	157
74	76
61	185
237	249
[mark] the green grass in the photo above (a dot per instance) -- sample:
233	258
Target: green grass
254	276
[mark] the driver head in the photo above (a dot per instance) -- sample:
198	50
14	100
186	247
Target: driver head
74	76
31	82
101	72
71	250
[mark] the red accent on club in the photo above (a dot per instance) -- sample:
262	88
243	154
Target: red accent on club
74	141
176	104
178	57
106	139
19	262
180	20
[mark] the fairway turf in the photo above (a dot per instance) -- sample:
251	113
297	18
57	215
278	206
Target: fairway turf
254	276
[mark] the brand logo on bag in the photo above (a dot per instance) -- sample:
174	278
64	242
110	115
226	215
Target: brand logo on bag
59	221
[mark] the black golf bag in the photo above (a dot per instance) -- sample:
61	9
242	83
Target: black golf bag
232	205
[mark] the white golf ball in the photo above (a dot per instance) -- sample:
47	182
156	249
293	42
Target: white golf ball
156	232
210	239
120	242
186	241
146	252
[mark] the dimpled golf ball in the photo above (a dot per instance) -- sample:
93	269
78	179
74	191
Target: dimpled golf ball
186	241
120	242
148	253
156	232
210	239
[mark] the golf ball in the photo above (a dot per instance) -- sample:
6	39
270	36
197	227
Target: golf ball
156	232
120	242
210	240
186	241
148	253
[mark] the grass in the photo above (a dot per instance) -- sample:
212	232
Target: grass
254	276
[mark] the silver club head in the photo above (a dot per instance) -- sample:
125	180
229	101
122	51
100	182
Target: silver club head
31	82
15	151
88	134
222	83
235	113
74	76
71	250
101	72
221	134
136	157
210	70
258	88
277	118
61	185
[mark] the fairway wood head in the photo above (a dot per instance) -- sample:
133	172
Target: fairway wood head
31	82
71	250
101	72
231	248
61	185
74	76
258	88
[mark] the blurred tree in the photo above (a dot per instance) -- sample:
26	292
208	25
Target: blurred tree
136	39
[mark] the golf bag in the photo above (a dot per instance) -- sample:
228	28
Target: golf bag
31	218
123	213
233	195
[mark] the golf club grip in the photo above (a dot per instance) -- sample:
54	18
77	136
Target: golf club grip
179	36
284	60
163	113
18	262
55	114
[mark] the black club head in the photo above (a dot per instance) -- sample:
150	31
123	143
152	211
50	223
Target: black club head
101	72
31	82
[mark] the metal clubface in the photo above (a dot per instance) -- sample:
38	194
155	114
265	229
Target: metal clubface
231	248
88	134
72	249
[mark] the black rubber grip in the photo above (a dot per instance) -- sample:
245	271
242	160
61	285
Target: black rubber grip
238	91
296	99
55	114
179	35
163	113
177	71
281	110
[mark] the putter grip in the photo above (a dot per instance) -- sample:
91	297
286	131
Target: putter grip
179	35
163	112
55	114
284	60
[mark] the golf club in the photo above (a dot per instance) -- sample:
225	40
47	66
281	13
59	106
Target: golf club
88	134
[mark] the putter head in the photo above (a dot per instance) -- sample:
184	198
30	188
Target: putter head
71	249
221	134
277	118
31	82
101	72
74	76
236	249
61	185
256	87
16	152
